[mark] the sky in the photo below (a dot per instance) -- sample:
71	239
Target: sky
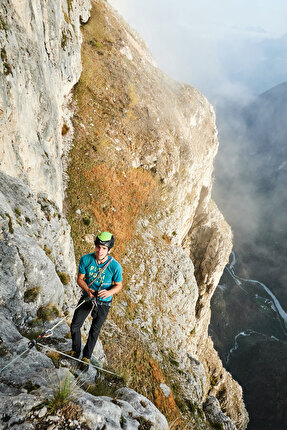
223	47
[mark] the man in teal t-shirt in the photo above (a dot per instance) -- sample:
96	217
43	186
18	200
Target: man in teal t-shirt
100	277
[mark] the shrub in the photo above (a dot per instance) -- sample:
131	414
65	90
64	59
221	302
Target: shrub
64	277
17	211
32	294
3	350
48	313
30	386
65	129
86	220
47	250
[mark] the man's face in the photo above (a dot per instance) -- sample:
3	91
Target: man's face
101	252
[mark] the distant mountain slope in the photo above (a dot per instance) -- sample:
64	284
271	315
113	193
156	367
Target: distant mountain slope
250	184
250	189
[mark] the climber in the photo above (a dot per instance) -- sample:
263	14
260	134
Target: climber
100	277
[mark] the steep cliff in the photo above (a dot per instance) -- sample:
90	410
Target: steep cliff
141	165
40	53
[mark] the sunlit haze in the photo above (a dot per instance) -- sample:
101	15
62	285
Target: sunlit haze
227	48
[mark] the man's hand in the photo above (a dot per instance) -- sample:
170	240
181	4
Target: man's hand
103	294
84	286
91	293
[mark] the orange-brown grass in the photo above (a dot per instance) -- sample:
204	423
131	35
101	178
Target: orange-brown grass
109	192
126	194
132	359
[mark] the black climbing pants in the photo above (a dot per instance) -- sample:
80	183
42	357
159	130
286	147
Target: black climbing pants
99	314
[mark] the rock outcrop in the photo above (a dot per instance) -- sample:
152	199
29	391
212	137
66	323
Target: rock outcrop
141	165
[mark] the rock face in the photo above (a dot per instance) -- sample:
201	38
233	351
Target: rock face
35	245
156	140
40	53
215	415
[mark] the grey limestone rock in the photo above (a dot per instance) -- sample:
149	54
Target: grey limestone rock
128	410
40	53
143	407
215	414
34	249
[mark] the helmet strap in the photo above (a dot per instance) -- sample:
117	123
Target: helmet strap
102	260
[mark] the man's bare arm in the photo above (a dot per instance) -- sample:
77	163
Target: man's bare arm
82	283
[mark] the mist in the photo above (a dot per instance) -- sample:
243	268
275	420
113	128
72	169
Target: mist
232	51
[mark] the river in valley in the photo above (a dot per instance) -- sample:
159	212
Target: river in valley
249	330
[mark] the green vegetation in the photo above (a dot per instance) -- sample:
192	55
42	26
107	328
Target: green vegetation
64	391
87	220
64	40
3	350
30	386
48	251
106	386
218	426
64	277
6	66
55	357
70	6
48	313
17	211
3	24
122	421
10	224
32	334
144	423
3	54
32	294
65	129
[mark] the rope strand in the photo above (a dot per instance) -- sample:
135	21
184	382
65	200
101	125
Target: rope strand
14	359
63	319
77	359
46	333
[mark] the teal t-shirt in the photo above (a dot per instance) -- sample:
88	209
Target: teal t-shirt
100	276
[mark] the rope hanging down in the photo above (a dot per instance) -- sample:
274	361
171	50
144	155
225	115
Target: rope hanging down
49	333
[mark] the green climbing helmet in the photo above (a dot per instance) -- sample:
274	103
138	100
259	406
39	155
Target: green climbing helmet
106	239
